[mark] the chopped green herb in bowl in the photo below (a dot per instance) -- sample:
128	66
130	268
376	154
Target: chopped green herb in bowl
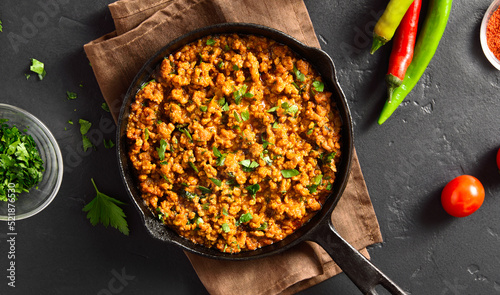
31	166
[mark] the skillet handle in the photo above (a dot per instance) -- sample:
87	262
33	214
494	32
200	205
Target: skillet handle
360	270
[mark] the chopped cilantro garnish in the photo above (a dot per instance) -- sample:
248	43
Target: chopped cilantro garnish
203	108
186	132
216	181
316	181
210	42
146	133
290	109
273	109
245	218
288	173
298	75
225	227
236	68
20	161
221	102
249	165
146	83
105	209
221	158
220	64
71	95
1	27
262	226
275	125
193	166
240	93
204	190
318	86
161	150
236	116
38	67
245	115
70	122
253	189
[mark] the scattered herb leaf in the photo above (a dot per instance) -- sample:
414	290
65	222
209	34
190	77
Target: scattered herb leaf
104	209
225	227
108	144
71	95
38	67
105	107
210	42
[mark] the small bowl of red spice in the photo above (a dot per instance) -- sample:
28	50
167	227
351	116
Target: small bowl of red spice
490	34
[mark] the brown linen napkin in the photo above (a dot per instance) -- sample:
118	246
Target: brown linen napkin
142	28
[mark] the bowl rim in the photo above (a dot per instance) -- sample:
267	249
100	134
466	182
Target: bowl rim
59	160
482	34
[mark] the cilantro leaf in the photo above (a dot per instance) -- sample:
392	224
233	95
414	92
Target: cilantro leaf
1	27
245	218
105	210
84	128
71	95
216	181
108	143
316	181
248	165
288	173
245	115
225	227
210	42
204	190
318	86
298	75
253	189
105	107
161	150
38	67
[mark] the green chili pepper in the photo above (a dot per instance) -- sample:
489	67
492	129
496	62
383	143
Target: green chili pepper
389	22
425	48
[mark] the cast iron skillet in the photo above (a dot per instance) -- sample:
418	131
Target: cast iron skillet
319	229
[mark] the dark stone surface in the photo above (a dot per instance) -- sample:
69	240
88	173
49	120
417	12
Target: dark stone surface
447	126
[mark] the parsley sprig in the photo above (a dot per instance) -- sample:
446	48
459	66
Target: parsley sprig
104	209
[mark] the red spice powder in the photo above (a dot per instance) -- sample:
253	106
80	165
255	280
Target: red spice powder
493	33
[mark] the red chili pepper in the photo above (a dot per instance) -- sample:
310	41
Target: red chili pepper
402	48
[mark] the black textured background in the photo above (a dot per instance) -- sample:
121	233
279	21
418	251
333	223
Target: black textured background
447	126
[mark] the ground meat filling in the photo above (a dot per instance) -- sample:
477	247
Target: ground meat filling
235	142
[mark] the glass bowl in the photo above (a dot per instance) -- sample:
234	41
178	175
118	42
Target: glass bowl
38	198
484	43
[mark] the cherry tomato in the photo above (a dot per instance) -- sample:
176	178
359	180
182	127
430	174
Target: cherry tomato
462	196
498	159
